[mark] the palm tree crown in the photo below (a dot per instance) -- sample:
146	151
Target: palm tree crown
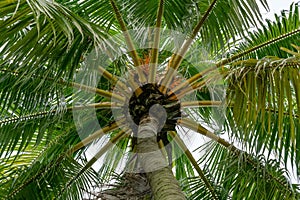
100	100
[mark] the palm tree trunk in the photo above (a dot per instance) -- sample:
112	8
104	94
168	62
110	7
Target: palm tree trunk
163	184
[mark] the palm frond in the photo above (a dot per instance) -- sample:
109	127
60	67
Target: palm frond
265	42
264	95
246	176
35	175
88	165
29	129
268	39
195	188
42	37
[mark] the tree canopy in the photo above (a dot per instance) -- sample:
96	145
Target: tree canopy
78	77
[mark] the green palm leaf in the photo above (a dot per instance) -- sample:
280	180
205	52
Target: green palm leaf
267	90
268	39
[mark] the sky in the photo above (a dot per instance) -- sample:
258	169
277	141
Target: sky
276	6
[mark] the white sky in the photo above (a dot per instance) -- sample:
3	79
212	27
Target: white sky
276	6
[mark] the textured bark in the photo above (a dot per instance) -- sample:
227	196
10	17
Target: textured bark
163	184
131	186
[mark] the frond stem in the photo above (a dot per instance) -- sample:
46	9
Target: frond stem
191	104
193	79
239	55
189	155
87	88
190	89
132	51
190	124
178	57
121	134
155	48
119	84
103	93
96	135
101	105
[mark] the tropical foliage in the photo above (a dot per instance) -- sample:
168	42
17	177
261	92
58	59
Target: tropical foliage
78	77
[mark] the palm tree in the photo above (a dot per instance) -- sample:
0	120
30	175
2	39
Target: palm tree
126	81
